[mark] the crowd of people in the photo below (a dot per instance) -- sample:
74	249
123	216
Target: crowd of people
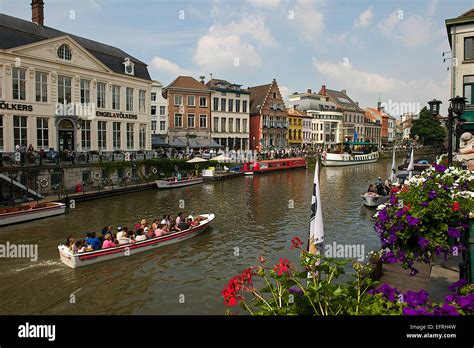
142	230
381	188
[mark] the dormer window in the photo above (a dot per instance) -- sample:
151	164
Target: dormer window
129	66
64	52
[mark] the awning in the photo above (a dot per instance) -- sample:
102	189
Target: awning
177	143
214	145
158	141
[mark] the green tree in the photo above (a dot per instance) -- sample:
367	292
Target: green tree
428	128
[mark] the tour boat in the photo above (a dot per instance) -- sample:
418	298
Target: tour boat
30	212
372	199
266	166
173	183
91	257
360	153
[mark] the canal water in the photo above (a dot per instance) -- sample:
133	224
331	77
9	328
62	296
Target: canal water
254	216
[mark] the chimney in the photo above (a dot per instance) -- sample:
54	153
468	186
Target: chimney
344	92
202	77
323	90
37	12
308	91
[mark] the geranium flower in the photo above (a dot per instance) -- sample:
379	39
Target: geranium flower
296	243
282	267
261	259
455	206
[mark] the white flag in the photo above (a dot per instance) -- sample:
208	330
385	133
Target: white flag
393	176
316	227
411	165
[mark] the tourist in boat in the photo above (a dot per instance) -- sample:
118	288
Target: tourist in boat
165	220
120	232
124	239
73	246
140	236
179	218
93	241
143	223
190	216
371	188
184	225
149	233
108	243
174	228
159	231
131	234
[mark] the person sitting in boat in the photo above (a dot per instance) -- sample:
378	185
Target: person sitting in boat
73	246
372	188
173	227
82	247
93	241
159	231
179	218
190	216
108	243
148	232
185	225
124	239
120	232
140	236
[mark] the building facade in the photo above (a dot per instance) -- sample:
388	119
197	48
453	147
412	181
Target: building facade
159	115
268	118
295	127
326	127
68	93
373	128
391	129
307	139
230	114
189	110
380	115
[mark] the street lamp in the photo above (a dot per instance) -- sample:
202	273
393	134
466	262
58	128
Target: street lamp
434	106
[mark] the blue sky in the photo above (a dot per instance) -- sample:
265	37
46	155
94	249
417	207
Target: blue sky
370	48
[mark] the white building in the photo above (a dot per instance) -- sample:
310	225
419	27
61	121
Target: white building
391	129
65	92
159	115
307	129
230	114
326	127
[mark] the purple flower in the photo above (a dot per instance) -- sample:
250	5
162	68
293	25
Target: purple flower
424	204
453	232
466	302
439	168
412	221
413	271
446	310
414	298
432	194
446	187
423	242
457	285
383	216
388	292
295	290
400	213
393	199
439	249
389	257
401	255
418	311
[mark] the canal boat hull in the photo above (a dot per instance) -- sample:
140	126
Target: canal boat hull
371	199
9	216
92	257
168	184
338	160
268	166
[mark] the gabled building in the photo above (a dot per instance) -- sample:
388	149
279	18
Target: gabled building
67	92
230	114
379	114
189	111
268	118
373	128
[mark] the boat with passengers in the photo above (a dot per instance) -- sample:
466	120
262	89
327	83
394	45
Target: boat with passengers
79	259
267	166
353	153
32	211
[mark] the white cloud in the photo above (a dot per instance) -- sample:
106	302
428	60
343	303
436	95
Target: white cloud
284	91
411	31
310	19
162	66
234	45
265	3
364	18
365	86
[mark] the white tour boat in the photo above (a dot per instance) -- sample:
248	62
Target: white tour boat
361	153
30	212
173	183
91	257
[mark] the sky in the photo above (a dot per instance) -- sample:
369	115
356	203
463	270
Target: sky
383	50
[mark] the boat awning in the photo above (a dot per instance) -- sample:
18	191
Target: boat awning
158	141
177	143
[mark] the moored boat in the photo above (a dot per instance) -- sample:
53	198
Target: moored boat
266	166
372	199
173	183
91	257
355	153
32	211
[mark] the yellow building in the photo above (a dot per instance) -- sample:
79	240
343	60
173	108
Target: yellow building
295	127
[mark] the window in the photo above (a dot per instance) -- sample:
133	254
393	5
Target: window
237	95
191	120
1	132
153	110
130	136
216	124
19	83
116	135
223	125
274	95
468	48
178	100
468	89
102	134
41	87
244	105
86	134
142	136
237	105
162	125
19	130
153	96
231	105
237	125
129	99
85	92
116	97
162	110
191	101
153	125
223	104
244	125
178	120
101	95
64	89
42	139
141	100
203	102
64	52
231	125
216	104
203	121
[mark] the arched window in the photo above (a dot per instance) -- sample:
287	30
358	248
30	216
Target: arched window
64	52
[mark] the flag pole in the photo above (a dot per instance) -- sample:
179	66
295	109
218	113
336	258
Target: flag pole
316	227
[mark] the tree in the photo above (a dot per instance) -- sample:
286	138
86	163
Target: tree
428	128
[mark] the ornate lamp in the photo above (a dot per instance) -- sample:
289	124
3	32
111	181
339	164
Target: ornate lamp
434	106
